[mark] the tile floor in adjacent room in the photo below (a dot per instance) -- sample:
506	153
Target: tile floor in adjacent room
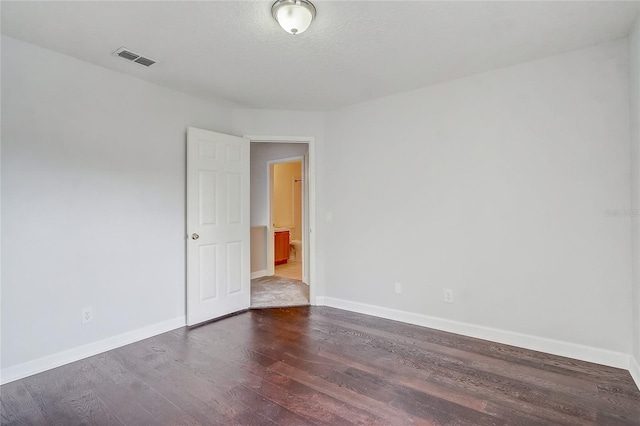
291	269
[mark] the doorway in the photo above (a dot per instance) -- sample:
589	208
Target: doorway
286	209
282	220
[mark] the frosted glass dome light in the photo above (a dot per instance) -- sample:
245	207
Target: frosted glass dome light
294	16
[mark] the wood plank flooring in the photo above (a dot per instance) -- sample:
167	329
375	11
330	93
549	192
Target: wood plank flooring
321	366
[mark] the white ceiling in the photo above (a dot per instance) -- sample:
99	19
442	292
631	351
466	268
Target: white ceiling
353	51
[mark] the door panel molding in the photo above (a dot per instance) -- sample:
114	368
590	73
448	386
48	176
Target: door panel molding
218	228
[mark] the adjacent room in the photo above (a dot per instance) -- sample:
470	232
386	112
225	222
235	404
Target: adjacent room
279	217
320	212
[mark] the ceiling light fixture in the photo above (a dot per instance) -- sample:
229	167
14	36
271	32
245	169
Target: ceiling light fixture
294	16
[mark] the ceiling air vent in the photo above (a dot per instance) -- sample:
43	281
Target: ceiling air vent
125	53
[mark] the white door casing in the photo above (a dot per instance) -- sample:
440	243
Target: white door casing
305	219
218	230
310	196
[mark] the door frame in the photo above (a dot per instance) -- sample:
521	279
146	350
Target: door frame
305	220
309	165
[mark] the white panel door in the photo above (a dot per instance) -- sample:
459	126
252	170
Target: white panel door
218	252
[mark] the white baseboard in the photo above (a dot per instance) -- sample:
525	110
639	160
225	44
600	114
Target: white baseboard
634	369
541	344
48	362
320	301
258	274
556	347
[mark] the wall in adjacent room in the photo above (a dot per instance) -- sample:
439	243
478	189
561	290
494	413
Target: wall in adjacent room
287	199
261	154
93	192
504	186
259	250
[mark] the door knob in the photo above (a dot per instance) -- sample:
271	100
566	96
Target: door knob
195	236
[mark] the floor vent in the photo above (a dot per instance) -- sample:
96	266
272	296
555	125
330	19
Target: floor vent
125	53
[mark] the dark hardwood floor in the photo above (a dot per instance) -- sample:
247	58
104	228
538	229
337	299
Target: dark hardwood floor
318	365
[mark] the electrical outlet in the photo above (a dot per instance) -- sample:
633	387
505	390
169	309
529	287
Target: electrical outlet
448	295
87	315
397	288
329	217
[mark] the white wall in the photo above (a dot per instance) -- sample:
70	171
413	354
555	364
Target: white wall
496	186
93	191
634	74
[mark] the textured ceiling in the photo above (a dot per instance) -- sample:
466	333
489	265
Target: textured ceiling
353	51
